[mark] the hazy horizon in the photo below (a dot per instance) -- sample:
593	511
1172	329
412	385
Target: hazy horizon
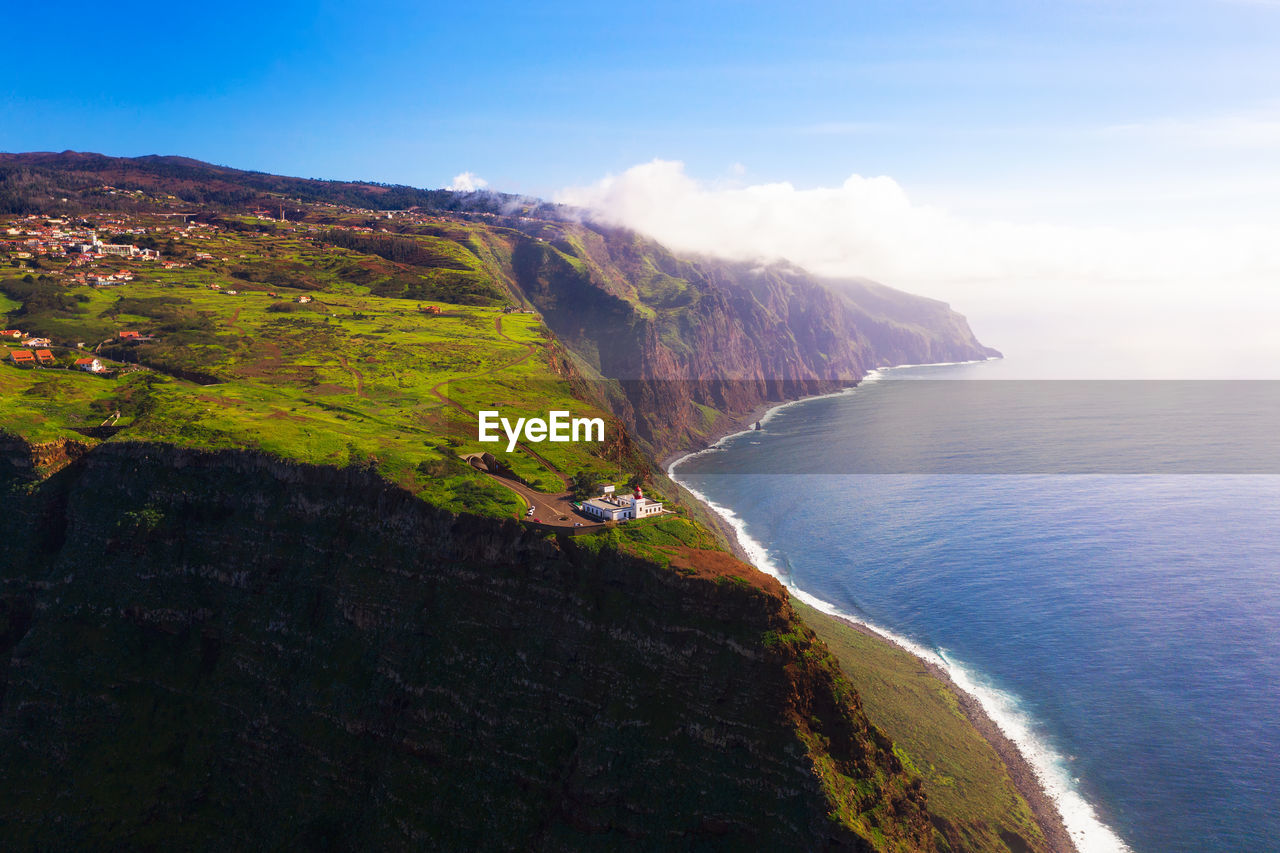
1061	301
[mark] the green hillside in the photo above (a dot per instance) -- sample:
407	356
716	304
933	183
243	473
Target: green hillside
348	377
355	348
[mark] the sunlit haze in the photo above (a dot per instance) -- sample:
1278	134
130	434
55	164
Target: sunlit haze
1177	299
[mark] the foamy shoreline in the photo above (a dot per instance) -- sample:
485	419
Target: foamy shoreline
1039	772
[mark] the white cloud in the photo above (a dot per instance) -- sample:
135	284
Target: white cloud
1082	301
468	182
1251	129
871	227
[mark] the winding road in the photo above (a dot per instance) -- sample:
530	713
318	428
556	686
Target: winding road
549	510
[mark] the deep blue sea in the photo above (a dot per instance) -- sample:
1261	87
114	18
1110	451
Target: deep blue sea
1118	617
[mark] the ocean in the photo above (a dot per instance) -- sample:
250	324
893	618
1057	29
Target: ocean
1098	563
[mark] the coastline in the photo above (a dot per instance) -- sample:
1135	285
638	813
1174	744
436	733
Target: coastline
733	426
1045	808
736	426
1023	775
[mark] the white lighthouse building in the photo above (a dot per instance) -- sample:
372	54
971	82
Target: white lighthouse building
613	507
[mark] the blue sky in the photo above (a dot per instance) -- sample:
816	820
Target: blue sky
1075	175
537	96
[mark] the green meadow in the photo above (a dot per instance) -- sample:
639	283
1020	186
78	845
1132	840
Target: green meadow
351	377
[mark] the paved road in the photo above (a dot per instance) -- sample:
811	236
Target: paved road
551	510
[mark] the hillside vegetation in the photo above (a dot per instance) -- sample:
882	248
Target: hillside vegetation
973	801
296	615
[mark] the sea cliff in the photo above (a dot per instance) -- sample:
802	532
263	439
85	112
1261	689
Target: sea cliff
685	346
227	645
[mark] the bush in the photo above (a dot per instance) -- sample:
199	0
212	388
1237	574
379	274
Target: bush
585	484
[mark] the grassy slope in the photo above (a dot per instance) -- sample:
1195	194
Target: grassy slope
353	377
967	783
44	405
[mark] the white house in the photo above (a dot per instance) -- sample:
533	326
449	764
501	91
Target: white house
612	507
90	365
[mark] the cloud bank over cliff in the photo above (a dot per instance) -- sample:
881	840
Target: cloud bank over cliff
870	226
1189	296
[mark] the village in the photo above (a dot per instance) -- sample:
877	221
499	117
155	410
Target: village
74	249
110	250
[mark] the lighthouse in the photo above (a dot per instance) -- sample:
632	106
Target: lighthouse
642	506
607	507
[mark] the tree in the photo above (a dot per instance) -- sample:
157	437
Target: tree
584	484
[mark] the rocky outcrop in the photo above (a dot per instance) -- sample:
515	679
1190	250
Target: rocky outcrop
226	649
20	460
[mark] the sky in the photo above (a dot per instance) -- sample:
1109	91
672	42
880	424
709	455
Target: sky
1000	155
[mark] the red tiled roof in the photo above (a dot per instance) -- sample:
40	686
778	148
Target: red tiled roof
84	361
22	355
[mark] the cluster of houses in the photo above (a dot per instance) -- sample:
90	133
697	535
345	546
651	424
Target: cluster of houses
36	352
27	358
114	279
46	358
78	242
49	238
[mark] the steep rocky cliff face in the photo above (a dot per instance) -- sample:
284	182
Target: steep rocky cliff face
22	461
676	333
223	649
